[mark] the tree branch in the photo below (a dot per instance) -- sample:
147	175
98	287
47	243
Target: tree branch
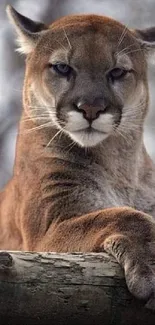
66	289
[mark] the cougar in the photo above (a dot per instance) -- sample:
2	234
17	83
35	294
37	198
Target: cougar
83	180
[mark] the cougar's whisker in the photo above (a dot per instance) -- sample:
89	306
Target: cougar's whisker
67	38
122	36
59	131
47	124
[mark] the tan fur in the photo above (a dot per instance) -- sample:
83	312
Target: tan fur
65	197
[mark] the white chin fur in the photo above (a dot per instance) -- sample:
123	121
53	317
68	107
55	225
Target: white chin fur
85	139
76	127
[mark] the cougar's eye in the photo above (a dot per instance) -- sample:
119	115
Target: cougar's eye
62	68
117	73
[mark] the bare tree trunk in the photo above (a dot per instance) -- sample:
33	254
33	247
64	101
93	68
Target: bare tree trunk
66	289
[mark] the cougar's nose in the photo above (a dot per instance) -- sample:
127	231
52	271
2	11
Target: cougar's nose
91	111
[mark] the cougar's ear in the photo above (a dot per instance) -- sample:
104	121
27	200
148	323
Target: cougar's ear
28	31
146	38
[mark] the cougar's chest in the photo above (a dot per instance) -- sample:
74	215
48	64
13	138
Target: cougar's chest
81	190
110	193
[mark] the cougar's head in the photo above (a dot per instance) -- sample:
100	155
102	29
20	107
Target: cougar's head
86	74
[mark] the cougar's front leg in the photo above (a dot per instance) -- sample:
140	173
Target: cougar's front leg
127	234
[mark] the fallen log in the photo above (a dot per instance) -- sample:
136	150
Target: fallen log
66	289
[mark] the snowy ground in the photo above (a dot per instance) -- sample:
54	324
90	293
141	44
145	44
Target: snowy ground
134	13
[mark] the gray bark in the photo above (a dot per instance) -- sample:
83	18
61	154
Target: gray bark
66	289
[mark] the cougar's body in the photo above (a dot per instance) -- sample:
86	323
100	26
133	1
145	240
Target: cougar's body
59	183
82	179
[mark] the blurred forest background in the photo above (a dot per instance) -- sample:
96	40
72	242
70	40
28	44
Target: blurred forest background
133	13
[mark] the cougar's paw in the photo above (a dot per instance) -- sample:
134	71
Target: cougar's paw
140	279
138	263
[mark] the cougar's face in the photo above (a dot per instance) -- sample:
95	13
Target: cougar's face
90	78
